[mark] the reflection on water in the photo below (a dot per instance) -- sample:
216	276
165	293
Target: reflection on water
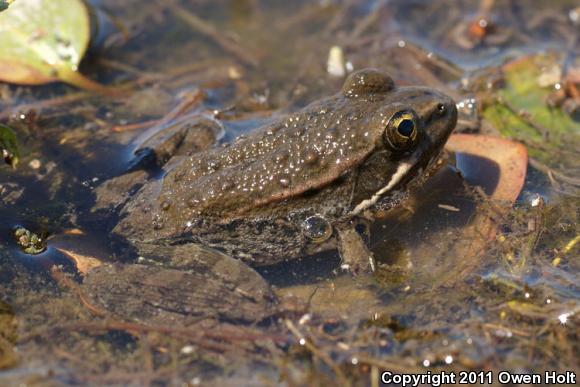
433	302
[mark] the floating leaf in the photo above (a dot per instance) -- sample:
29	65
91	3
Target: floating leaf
522	112
83	263
8	146
529	82
511	158
44	41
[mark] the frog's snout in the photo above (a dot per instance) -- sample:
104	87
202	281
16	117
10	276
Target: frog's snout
444	109
444	115
452	111
440	118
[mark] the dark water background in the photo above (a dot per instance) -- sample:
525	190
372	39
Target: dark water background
497	315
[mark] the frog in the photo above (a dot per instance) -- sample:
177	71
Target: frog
308	182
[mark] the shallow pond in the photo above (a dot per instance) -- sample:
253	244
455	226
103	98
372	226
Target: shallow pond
475	271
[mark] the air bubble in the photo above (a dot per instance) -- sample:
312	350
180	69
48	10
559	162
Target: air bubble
284	181
317	228
311	158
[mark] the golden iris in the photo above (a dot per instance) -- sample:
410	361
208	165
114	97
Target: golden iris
401	131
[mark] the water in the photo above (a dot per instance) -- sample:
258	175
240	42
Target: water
436	305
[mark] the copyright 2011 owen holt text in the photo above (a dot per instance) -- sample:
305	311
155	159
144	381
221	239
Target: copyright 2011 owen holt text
437	379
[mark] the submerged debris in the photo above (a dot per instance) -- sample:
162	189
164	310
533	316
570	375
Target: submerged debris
336	65
44	41
29	242
7	336
494	301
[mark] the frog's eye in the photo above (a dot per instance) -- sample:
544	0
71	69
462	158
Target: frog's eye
401	131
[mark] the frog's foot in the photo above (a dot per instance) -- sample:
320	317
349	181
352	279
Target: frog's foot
181	285
182	138
356	256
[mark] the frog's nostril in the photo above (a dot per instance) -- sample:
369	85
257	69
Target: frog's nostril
441	109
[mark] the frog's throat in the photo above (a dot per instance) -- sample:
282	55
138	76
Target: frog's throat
402	170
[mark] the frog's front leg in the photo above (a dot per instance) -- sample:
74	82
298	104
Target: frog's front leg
353	250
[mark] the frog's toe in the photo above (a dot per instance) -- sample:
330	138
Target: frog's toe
355	255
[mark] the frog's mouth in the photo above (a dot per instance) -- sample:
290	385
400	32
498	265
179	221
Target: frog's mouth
407	170
417	166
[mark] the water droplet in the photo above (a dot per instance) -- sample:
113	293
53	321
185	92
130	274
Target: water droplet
281	157
564	318
213	166
284	181
311	158
317	228
193	202
157	222
227	185
331	133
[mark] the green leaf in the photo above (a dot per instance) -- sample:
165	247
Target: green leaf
8	146
44	41
545	129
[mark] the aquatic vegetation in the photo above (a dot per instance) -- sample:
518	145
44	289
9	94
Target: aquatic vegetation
476	270
8	146
44	41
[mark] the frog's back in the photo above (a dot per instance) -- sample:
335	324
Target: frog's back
301	153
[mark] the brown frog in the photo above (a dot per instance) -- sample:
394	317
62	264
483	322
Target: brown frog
300	185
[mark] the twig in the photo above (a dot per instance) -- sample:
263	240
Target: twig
317	353
204	28
524	116
365	23
39	105
485	8
113	64
190	101
174	73
192	334
386	365
63	280
547	170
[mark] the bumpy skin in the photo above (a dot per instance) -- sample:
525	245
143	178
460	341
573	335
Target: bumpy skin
250	198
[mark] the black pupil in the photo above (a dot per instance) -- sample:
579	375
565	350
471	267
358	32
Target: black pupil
406	128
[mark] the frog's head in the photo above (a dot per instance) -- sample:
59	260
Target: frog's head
408	126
